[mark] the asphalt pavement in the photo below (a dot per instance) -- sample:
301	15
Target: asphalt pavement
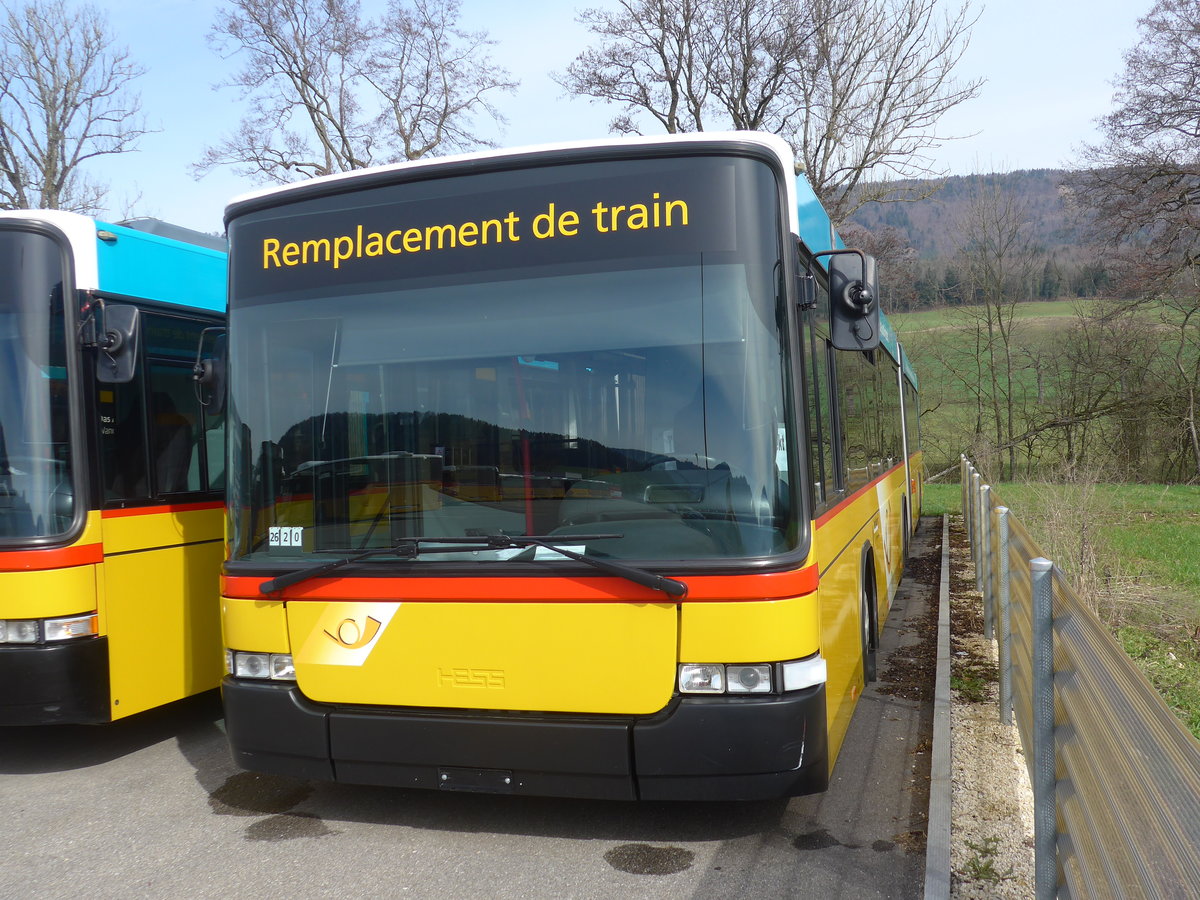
154	807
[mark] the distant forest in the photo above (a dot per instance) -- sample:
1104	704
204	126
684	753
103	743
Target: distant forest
925	246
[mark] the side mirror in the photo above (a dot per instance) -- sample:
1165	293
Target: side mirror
853	303
117	344
209	371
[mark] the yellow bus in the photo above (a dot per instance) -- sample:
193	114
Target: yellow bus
546	476
111	469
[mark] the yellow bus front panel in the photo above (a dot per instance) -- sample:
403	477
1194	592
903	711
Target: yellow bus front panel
600	658
749	632
48	593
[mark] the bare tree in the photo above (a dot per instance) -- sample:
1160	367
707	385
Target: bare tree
65	98
651	59
1141	185
330	91
432	78
999	260
857	86
874	83
301	63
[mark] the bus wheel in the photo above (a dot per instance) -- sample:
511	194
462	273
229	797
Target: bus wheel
868	642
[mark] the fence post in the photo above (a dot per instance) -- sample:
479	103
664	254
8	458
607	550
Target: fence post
1045	813
986	561
967	505
963	469
976	480
1005	618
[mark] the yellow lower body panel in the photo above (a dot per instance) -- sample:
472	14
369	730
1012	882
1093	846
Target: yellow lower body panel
48	593
164	630
748	632
555	657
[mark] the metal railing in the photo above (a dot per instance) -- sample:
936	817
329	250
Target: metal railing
1116	777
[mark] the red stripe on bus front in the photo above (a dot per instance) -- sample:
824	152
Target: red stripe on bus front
702	588
61	558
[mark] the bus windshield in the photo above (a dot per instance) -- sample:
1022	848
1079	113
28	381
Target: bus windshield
640	397
36	489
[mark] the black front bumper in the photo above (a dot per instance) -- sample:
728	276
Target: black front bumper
700	748
63	683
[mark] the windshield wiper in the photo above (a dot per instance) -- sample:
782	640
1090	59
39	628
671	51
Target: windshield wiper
410	547
669	586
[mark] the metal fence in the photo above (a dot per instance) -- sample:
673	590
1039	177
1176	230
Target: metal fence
1116	777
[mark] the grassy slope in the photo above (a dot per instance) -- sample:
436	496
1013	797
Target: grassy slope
1150	534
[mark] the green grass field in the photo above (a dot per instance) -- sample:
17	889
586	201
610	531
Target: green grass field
909	324
959	375
1147	544
1153	530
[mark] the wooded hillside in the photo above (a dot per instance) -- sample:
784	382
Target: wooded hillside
924	245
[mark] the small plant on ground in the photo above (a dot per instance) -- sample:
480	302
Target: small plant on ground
973	677
982	866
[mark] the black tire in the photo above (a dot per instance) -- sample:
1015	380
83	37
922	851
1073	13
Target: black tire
868	639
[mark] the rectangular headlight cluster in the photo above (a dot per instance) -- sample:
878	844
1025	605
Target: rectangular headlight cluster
758	678
38	631
261	666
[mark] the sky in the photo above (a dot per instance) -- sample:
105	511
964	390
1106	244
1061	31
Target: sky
1048	66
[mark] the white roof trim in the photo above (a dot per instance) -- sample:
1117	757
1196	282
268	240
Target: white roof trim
80	232
771	142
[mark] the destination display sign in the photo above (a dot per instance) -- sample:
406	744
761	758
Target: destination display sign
483	222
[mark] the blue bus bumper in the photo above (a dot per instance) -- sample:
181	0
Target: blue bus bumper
63	683
699	748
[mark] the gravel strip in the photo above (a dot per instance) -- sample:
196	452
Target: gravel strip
991	830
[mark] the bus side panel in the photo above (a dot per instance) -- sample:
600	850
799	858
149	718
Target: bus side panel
871	519
890	550
161	606
916	469
838	602
841	536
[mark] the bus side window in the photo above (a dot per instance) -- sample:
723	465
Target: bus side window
175	429
214	452
820	412
123	439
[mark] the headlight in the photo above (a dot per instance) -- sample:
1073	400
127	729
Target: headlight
697	679
261	666
37	631
753	678
748	679
19	631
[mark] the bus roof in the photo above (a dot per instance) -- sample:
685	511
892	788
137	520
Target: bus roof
134	262
139	263
765	142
